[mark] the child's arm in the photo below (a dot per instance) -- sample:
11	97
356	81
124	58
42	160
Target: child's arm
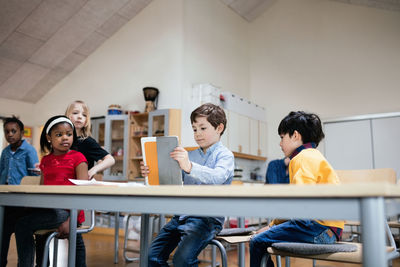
218	174
101	165
32	162
82	171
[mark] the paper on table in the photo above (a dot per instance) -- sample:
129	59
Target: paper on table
94	182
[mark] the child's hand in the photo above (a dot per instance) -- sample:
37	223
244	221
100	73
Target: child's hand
63	230
91	173
36	169
144	169
181	156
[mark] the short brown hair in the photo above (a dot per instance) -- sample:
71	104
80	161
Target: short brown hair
214	114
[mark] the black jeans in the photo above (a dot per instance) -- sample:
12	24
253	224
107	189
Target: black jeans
39	219
11	215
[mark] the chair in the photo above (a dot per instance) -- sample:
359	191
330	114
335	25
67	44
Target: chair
35	180
341	251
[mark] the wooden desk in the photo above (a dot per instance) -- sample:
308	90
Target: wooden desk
368	203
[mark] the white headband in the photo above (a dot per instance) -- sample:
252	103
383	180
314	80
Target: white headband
58	120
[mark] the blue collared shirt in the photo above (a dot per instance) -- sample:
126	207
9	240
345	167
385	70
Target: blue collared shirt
14	166
214	167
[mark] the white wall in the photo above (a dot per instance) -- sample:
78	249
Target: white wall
326	57
215	51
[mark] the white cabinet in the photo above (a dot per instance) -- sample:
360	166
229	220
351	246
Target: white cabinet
245	135
263	138
366	143
254	137
238	137
224	137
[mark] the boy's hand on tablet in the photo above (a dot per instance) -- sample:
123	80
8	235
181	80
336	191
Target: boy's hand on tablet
181	155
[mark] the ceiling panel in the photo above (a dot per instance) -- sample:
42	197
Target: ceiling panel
48	17
12	13
43	86
19	47
23	80
7	68
91	43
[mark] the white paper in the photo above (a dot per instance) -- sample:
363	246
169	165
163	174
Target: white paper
94	182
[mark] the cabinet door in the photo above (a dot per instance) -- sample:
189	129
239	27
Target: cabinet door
98	129
239	133
254	137
224	137
116	143
386	133
263	138
348	144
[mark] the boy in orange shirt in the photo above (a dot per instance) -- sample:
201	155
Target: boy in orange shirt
300	134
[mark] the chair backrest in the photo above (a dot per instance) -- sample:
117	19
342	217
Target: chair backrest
30	180
367	176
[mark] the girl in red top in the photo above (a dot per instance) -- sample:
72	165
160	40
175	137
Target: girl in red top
60	165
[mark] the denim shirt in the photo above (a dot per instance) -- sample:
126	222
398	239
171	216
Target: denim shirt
14	166
216	166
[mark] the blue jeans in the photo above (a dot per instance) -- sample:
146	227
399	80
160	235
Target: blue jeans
307	231
190	236
39	219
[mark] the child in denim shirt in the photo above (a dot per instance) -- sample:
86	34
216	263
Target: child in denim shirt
212	163
16	160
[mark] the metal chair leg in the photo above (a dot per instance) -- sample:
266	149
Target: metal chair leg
46	249
287	261
55	251
278	261
128	259
224	258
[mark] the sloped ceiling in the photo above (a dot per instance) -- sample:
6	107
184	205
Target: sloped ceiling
42	41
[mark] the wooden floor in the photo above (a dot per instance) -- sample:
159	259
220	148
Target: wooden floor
100	252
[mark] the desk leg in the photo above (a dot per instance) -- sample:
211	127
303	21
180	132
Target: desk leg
373	232
144	239
116	237
73	215
1	226
241	246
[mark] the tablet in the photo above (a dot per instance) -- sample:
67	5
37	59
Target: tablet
163	169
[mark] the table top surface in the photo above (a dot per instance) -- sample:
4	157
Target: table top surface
223	191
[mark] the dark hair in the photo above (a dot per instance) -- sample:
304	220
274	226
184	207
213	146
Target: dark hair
307	124
214	114
15	120
45	146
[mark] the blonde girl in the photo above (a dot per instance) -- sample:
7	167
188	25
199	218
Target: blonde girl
78	113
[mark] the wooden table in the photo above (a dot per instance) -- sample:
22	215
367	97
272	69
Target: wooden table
368	203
